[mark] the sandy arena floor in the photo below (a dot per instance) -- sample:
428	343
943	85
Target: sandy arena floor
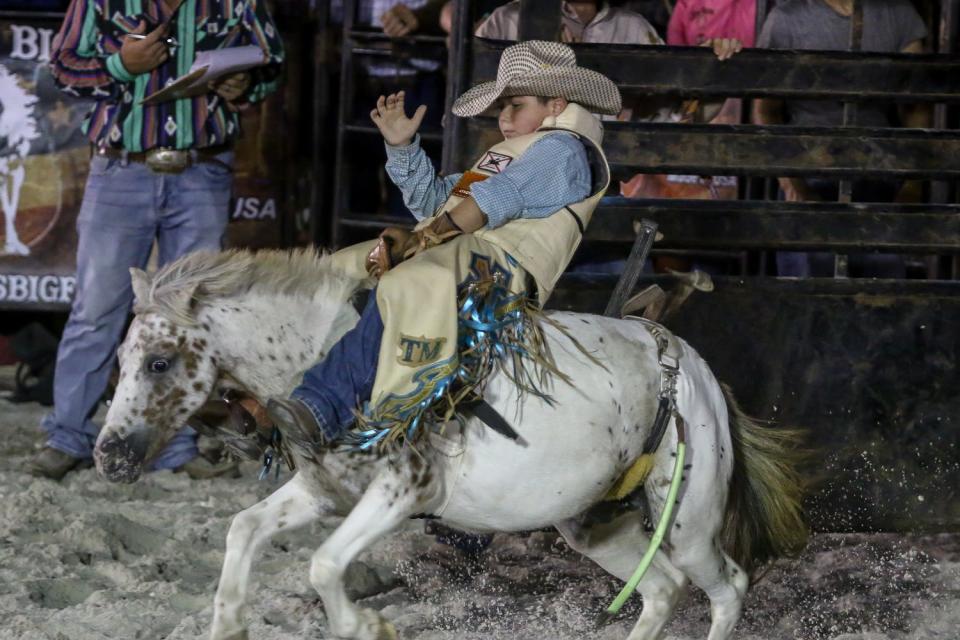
86	560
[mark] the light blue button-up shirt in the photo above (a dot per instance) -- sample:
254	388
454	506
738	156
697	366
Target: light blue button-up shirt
551	174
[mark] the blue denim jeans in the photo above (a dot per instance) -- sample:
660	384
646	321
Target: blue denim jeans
337	385
125	207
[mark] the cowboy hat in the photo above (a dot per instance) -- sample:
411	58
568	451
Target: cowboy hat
540	68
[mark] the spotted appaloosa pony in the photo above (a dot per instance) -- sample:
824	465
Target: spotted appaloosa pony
209	321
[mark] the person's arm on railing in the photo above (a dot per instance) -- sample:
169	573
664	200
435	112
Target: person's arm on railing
771	111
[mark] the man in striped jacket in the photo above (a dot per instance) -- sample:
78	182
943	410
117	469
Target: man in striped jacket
158	172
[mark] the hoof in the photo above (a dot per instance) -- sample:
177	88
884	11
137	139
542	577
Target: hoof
374	626
240	635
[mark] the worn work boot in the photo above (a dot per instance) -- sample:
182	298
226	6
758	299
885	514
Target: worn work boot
54	464
298	428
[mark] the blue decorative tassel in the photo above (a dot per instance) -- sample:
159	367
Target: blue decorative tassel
494	327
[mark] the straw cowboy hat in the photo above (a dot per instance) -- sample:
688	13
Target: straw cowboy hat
539	68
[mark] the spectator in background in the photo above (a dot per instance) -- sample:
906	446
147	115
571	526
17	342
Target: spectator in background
399	19
156	174
596	21
481	9
888	26
694	22
657	12
583	21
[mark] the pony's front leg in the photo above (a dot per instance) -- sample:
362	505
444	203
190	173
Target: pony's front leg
390	499
290	506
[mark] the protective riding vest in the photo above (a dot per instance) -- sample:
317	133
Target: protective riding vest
417	299
542	246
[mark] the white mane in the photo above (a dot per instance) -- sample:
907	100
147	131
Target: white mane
225	274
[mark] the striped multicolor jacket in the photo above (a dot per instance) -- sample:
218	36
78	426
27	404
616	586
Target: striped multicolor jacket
85	61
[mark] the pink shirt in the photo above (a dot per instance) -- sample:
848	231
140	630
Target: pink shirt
695	21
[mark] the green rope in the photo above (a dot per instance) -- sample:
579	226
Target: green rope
657	538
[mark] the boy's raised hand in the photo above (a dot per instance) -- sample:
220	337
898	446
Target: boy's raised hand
397	129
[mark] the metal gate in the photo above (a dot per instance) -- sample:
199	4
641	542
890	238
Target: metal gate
868	366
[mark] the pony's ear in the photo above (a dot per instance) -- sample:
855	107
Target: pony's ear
181	301
141	283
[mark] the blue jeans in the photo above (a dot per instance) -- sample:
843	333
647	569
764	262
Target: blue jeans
125	207
337	385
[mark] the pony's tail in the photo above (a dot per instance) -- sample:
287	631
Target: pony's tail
764	517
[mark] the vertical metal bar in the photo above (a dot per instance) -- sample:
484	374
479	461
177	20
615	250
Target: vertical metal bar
459	64
321	106
757	187
763	7
342	185
840	261
646	234
944	191
940	189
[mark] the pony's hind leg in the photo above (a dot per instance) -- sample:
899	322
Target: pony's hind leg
290	506
693	539
720	577
618	546
392	497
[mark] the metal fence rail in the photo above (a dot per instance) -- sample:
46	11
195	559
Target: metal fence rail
638	147
696	72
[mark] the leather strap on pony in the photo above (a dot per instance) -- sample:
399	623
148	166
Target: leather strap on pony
669	353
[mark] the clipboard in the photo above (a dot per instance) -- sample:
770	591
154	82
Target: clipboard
207	67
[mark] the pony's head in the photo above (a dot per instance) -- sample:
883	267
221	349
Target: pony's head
198	320
167	372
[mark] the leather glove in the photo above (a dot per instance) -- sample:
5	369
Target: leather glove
389	251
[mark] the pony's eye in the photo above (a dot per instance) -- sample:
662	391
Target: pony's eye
158	365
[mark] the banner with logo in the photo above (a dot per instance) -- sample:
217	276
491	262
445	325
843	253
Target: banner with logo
43	168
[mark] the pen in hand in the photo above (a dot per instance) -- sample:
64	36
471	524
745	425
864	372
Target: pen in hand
169	41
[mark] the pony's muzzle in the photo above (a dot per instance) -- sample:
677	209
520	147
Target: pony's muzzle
120	459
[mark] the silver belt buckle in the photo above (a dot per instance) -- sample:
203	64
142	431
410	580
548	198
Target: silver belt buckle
167	160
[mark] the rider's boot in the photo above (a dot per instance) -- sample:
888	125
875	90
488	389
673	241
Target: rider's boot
299	428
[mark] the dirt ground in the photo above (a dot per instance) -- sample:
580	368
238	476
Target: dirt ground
87	560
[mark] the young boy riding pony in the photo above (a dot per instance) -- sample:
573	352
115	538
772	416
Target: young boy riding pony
515	217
